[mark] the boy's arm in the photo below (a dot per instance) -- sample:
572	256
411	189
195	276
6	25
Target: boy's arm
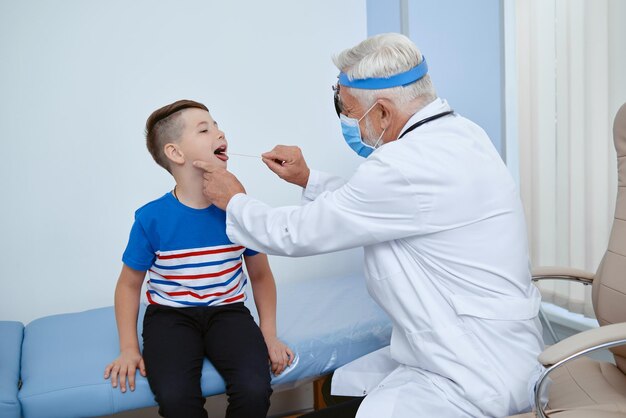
127	295
264	289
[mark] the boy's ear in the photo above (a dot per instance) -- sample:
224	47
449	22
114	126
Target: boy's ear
174	153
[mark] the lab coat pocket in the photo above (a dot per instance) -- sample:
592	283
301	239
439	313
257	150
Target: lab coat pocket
454	354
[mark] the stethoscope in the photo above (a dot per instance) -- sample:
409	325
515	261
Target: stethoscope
426	120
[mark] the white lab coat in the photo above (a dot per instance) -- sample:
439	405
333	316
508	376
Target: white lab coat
446	257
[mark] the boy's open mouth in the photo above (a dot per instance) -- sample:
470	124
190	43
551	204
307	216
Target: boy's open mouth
220	153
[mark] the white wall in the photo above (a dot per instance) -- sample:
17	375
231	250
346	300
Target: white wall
77	82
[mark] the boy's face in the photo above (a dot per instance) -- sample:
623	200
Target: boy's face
202	139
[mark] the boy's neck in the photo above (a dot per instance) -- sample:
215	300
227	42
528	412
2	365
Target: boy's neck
189	190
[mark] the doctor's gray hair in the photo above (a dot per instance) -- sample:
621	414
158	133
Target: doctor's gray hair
383	56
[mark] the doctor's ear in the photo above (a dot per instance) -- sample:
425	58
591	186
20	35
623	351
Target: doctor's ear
385	111
174	153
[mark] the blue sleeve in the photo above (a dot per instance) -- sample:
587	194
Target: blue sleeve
139	254
249	252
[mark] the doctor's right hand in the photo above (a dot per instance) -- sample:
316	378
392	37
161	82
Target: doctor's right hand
123	368
288	163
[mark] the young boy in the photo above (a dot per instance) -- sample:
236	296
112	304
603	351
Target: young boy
196	285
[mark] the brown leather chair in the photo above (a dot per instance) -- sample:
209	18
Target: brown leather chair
582	387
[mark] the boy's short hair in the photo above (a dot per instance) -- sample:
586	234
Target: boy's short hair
164	126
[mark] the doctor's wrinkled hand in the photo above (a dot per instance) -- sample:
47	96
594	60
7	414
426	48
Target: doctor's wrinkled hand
220	185
288	163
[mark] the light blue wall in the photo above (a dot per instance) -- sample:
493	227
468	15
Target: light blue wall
463	43
383	16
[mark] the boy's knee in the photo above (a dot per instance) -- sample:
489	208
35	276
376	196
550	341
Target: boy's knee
179	401
170	395
251	391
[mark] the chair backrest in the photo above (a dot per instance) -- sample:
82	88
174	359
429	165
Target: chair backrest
609	286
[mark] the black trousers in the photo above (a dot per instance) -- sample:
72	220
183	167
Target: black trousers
176	341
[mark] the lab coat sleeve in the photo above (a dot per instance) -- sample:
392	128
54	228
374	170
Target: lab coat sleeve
320	182
377	204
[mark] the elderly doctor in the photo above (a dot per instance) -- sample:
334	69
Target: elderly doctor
444	236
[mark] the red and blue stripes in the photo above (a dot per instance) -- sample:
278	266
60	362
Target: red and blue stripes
197	277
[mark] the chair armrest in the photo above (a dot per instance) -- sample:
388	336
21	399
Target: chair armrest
573	347
562	273
582	341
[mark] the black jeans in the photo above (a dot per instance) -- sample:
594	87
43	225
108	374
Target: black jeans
176	341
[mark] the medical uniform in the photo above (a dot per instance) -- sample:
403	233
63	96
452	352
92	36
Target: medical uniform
446	257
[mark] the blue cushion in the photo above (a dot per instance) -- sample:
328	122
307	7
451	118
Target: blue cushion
328	322
11	334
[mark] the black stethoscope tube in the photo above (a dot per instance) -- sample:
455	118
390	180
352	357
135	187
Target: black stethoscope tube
426	120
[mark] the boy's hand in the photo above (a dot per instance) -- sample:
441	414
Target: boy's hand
281	356
123	368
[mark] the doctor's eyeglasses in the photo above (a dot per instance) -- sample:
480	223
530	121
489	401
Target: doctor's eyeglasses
338	107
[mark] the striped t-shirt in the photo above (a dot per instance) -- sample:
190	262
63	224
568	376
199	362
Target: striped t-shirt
189	259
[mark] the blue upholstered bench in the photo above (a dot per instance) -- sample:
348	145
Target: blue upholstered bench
11	334
328	322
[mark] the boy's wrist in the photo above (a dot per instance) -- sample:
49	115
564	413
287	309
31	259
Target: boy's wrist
129	348
268	332
130	353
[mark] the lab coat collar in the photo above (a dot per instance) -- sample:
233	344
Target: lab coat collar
436	106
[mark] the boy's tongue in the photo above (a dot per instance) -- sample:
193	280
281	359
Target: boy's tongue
222	156
220	153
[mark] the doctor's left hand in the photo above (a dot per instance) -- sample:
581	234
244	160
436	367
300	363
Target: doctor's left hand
220	185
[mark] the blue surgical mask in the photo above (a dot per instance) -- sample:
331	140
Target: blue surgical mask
352	134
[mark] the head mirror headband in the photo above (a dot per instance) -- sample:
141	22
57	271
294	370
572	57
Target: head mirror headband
402	79
397	80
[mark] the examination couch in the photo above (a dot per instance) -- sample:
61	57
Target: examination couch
59	369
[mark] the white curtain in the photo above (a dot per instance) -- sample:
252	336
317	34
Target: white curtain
570	56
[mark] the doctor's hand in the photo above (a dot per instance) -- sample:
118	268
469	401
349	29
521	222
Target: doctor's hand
288	163
220	185
281	356
123	369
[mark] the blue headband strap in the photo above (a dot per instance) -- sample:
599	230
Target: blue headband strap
401	79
